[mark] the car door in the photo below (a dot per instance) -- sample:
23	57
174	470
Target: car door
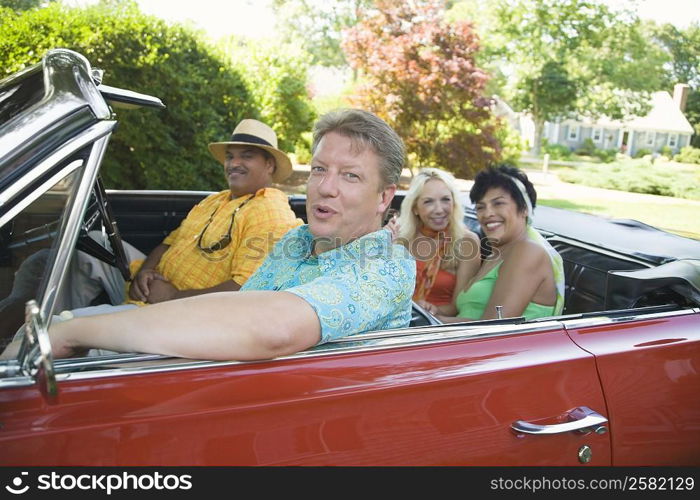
445	395
649	366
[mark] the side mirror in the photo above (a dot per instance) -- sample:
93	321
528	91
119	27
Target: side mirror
35	357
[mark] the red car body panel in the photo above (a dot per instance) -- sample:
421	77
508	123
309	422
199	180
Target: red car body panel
444	403
650	372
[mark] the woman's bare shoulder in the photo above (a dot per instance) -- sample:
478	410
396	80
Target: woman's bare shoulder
528	252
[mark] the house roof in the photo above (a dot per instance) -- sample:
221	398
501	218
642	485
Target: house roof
665	116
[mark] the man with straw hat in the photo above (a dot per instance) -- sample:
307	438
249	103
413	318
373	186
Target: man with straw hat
223	239
336	276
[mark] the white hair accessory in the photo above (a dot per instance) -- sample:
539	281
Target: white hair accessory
521	187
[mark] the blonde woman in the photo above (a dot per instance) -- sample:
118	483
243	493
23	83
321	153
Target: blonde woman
431	226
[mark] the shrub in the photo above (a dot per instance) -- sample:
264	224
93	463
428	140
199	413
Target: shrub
605	155
302	150
557	151
204	96
587	148
638	176
512	143
667	152
688	154
276	76
641	153
204	93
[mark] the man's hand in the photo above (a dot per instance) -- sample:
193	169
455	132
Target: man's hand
161	290
141	284
393	227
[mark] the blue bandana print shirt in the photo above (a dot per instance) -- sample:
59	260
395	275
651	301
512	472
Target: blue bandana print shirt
362	286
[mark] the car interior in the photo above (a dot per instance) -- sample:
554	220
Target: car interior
596	279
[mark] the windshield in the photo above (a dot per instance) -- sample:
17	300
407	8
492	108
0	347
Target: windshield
28	246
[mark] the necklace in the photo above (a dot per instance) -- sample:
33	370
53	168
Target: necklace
225	239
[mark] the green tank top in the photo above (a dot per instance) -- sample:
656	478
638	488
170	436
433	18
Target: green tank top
472	302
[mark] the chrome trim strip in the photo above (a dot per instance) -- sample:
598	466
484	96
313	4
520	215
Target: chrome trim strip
9	369
360	343
610	320
66	364
75	144
82	71
159	192
15	382
441	329
370	342
72	226
34	195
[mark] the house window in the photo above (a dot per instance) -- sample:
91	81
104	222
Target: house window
597	135
651	139
573	132
672	140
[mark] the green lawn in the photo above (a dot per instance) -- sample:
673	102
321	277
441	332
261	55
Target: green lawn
680	218
673	214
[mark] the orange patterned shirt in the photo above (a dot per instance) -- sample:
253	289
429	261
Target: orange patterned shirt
257	226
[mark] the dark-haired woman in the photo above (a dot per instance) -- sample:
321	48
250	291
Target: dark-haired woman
523	275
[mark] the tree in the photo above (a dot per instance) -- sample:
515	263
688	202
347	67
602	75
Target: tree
692	113
317	25
683	48
418	72
574	57
482	16
20	5
276	75
151	149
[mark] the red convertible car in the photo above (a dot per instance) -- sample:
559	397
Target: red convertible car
615	380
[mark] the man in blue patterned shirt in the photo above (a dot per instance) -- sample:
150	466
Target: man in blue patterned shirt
334	277
355	288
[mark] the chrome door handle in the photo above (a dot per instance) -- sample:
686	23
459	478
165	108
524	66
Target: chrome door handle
583	418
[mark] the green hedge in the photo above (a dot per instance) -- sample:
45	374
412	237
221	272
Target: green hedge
688	154
204	94
277	75
641	153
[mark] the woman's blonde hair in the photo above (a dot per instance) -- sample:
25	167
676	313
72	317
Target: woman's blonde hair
409	223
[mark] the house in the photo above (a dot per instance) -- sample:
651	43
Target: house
665	125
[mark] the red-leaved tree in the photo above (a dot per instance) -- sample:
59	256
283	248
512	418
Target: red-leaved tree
419	74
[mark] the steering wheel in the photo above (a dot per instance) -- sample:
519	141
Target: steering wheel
100	210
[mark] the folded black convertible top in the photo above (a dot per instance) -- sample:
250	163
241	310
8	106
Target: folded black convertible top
626	236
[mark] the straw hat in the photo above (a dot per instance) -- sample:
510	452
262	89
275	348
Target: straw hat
255	133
